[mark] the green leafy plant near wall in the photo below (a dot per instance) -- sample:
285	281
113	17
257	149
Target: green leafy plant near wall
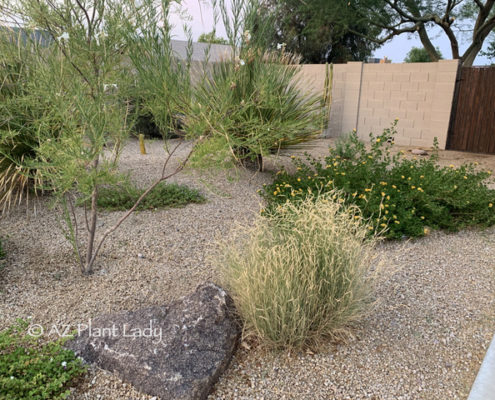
31	370
404	197
251	103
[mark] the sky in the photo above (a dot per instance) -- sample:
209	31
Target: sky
200	20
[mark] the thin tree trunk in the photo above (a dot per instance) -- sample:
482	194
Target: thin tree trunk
88	268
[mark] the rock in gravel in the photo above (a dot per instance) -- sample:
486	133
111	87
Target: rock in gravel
175	351
419	152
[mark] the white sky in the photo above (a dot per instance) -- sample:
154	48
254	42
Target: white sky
201	21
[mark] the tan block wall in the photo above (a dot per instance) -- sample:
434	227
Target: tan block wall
368	97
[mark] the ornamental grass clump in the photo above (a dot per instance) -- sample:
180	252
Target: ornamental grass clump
302	275
402	197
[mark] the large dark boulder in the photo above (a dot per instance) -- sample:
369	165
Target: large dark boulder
176	351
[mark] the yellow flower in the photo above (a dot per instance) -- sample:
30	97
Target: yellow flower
367	190
421	190
335	163
287	185
386	205
370	157
292	193
383	183
275	193
354	130
298	168
403	177
490	205
465	177
354	194
394	216
426	231
397	221
356	217
476	163
413	187
422	217
455	186
341	200
397	118
383	194
292	157
342	173
299	179
412	166
393	186
388	197
383	225
378	140
370	228
409	178
316	174
364	162
309	177
452	166
382	206
386	211
421	177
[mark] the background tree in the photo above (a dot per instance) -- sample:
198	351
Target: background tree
211	38
471	20
316	31
419	54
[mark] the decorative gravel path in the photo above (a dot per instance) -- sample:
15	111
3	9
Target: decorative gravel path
424	340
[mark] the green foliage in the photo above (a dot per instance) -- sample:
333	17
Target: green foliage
253	101
122	197
26	114
419	54
321	31
162	80
302	274
406	197
211	38
30	370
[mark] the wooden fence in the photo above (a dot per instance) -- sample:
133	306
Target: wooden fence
472	124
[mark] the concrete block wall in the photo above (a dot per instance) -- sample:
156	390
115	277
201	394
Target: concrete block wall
368	97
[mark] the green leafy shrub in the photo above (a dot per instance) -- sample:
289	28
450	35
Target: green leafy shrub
122	197
302	274
30	370
26	116
406	197
252	100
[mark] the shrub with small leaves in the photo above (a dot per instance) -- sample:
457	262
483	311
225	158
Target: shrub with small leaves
400	196
123	196
31	370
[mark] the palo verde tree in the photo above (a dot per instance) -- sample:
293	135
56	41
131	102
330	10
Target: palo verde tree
87	75
463	20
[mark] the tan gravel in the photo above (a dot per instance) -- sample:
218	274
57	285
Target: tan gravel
425	339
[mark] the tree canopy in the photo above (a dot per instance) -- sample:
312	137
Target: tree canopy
419	54
315	30
459	20
211	38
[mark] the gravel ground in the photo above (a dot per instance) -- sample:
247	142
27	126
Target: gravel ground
424	340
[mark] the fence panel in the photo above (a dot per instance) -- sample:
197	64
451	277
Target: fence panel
472	126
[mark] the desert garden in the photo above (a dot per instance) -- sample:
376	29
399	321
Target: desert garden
357	269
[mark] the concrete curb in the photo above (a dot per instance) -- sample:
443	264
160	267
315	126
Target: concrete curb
484	386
